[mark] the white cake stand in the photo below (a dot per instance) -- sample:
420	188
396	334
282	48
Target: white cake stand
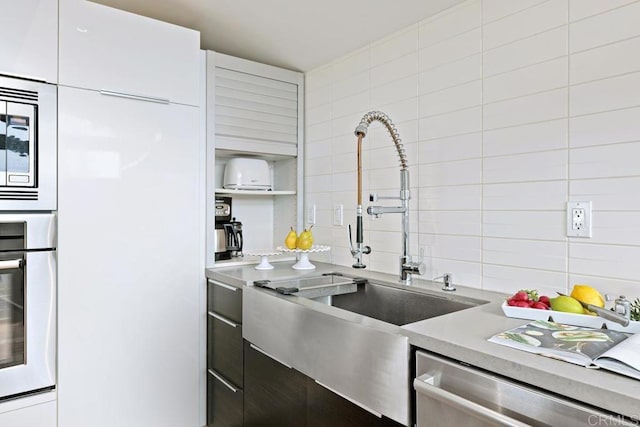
303	263
264	258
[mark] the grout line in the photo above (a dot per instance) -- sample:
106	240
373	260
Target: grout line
604	12
530	36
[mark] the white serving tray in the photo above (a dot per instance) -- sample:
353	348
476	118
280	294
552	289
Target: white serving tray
568	318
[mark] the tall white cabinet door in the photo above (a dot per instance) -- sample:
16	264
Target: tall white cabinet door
129	262
29	39
104	48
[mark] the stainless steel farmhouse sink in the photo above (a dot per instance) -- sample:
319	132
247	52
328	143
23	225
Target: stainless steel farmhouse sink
345	334
398	306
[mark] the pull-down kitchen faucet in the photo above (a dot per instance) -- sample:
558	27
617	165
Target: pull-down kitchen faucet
407	267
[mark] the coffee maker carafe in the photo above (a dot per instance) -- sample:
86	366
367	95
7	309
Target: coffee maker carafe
233	234
222	217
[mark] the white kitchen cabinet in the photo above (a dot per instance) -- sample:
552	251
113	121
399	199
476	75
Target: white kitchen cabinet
108	49
255	110
130	262
29	39
34	410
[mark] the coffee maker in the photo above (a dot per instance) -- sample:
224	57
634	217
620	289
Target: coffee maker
228	231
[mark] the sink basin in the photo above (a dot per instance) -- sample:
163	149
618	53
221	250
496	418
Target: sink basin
365	361
399	306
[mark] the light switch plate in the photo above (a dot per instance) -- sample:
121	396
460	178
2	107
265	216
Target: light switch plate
337	215
311	214
579	219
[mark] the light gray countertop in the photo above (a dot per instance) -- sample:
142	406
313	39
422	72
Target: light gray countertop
463	336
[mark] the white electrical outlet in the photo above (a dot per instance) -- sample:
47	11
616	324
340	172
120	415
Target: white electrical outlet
579	219
337	215
311	214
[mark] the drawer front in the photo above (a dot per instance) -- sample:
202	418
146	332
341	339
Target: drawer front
225	300
224	348
224	405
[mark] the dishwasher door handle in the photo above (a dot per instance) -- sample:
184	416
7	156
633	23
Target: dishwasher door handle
425	387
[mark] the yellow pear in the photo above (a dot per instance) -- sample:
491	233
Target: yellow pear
305	240
291	240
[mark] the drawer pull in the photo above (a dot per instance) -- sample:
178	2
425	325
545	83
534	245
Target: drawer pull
223	381
269	356
224	285
222	319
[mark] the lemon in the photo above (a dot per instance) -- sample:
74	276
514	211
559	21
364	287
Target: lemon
587	295
566	304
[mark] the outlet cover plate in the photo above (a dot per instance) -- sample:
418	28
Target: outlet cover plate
579	219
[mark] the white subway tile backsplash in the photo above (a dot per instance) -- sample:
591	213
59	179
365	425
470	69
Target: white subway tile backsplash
455	98
458	147
350	86
353	104
451	74
535	254
395	91
532	50
400	111
397	45
352	64
450	50
492	10
462	248
451	173
463	223
449	124
529	196
321	113
609	127
511	279
617	24
463	197
611	194
534	20
395	69
618	262
527	109
580	9
319	131
549	135
318	166
606	61
524	225
499	136
605	161
540	166
450	23
526	81
603	95
616	228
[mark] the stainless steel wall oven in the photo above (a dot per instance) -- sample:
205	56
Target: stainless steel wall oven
28	120
27	302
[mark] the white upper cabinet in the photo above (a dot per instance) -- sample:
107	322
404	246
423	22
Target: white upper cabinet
258	108
29	39
107	49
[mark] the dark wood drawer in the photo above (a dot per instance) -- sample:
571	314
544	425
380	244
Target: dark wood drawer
225	348
225	300
224	402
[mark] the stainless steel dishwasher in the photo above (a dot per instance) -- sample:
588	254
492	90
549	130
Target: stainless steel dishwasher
451	394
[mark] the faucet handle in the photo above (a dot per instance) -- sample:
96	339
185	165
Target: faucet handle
447	278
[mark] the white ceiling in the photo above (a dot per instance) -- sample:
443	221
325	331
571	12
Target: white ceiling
294	34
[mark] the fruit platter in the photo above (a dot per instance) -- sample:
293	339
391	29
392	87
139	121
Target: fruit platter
566	309
302	244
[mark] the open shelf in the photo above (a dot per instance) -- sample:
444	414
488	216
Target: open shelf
255	192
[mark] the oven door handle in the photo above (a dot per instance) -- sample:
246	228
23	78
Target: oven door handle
10	264
427	388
